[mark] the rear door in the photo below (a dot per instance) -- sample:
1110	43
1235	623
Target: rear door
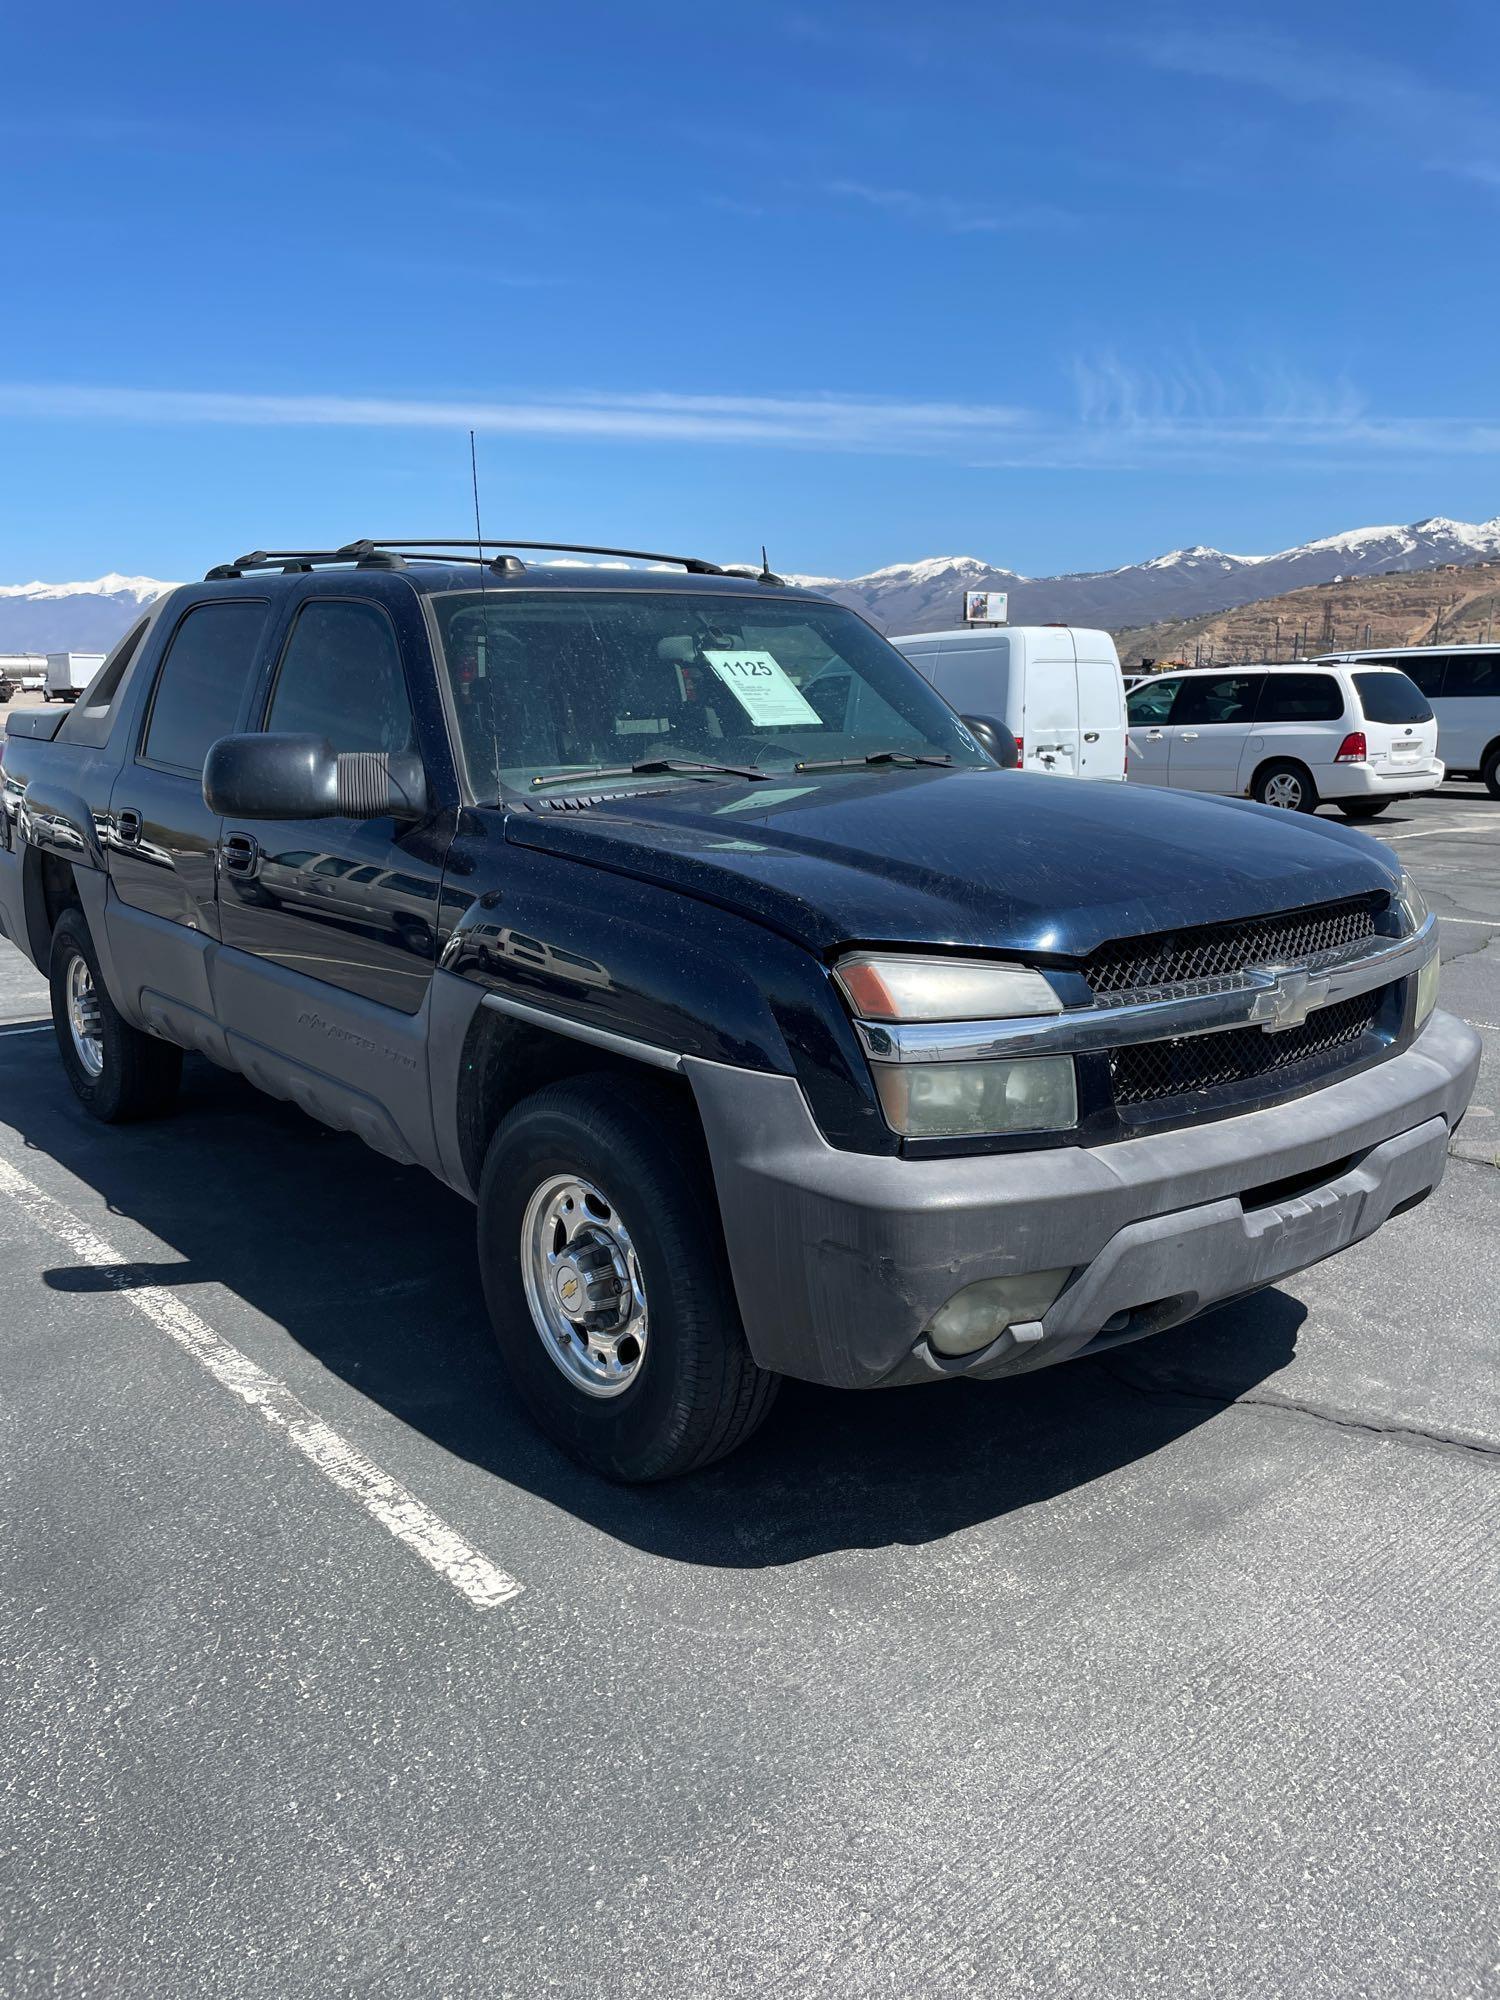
1101	713
162	838
1148	712
1211	719
1051	736
1400	729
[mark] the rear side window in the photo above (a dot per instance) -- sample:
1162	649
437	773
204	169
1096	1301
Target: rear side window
1424	670
1211	698
1300	698
1472	674
88	720
341	678
1392	698
202	682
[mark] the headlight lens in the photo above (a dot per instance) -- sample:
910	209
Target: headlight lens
965	1100
1411	903
1427	988
905	988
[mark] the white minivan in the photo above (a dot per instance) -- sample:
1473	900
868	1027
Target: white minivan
1057	689
1463	685
1358	737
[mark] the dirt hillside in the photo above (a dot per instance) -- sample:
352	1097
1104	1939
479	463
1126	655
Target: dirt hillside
1455	604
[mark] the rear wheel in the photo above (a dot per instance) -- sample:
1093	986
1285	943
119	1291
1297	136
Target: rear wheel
1491	773
117	1072
1287	785
607	1282
1363	808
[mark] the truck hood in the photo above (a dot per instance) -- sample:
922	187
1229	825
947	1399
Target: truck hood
994	859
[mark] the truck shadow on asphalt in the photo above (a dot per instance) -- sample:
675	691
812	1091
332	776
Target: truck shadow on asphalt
371	1268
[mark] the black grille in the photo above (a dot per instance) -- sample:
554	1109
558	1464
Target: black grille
1289	938
1149	1070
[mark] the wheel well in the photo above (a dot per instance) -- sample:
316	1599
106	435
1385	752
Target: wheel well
1489	750
1268	763
506	1060
48	888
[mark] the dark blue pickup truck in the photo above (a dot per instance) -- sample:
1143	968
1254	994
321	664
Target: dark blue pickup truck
773	1026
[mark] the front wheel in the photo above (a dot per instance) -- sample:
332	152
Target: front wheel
607	1282
117	1072
1363	808
1289	786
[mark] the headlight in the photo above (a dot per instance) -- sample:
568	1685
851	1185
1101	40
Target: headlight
966	1100
1411	903
903	988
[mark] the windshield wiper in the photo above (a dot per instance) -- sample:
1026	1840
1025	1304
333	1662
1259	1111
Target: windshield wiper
875	757
650	767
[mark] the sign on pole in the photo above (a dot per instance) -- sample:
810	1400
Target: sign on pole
985	607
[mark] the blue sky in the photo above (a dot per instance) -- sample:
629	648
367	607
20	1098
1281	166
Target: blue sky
1058	287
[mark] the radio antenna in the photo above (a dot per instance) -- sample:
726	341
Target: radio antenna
481	644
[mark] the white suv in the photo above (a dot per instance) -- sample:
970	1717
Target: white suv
1358	737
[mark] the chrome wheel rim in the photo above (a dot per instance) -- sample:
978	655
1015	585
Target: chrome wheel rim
85	1022
583	1285
1284	790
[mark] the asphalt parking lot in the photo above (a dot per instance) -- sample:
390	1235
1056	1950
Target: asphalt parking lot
1174	1671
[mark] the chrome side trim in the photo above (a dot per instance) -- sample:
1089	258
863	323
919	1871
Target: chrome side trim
1273	998
585	1031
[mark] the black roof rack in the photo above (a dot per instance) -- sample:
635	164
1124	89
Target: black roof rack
390	552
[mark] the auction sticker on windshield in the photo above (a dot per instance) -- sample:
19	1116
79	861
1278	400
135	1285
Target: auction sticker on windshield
763	688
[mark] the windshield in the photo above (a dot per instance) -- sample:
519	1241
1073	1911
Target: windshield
552	681
1388	697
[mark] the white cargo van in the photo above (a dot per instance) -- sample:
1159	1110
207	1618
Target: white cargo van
68	674
1057	689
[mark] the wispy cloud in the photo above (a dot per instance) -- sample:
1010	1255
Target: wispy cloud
1449	130
1186	414
950	214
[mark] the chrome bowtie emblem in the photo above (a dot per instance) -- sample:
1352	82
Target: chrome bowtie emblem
1288	999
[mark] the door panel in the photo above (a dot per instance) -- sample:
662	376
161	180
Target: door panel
353	904
1148	709
161	835
1101	720
1050	722
1211	719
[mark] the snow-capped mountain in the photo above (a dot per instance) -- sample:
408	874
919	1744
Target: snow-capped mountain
1183	583
72	617
916	596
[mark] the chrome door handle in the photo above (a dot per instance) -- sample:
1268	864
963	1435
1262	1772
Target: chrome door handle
1154	736
128	825
1188	736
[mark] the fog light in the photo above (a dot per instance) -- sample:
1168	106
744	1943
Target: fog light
980	1313
1427	988
954	1100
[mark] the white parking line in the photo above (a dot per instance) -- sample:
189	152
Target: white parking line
29	1028
1479	923
1438	833
472	1575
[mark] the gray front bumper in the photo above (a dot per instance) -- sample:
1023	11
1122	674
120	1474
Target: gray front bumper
841	1259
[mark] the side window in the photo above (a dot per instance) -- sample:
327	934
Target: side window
1426	669
1301	698
202	682
1210	698
341	677
1151	702
1472	674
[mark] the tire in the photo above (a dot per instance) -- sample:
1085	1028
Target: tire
137	1076
685	1391
1363	808
1287	785
1491	773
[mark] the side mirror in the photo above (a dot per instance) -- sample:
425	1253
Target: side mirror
992	735
303	777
